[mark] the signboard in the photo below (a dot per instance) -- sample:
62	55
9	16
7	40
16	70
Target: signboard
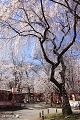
14	90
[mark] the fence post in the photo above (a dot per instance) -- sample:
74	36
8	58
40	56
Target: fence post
79	106
56	110
48	111
42	115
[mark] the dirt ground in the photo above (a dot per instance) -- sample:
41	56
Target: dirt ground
27	112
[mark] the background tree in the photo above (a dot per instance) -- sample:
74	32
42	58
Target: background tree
72	68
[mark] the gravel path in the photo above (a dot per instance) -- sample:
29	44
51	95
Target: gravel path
29	112
32	114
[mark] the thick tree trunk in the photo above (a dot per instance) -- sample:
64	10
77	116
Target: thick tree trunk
66	108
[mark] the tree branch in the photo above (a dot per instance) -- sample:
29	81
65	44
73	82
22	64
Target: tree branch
45	56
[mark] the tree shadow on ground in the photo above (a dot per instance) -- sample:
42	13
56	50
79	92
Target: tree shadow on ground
15	108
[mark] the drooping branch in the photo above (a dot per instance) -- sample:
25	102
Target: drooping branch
68	6
71	43
77	1
44	14
64	33
59	3
46	26
44	37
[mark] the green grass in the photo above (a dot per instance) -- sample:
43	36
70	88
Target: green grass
62	117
